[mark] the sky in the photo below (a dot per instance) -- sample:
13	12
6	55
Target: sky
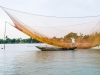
60	8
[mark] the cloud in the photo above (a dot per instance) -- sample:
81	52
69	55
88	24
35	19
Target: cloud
88	2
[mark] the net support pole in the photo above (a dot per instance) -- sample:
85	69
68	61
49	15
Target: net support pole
4	35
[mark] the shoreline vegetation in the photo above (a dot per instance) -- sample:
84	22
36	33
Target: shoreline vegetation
81	41
18	41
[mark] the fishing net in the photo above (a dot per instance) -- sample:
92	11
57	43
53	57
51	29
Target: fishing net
58	31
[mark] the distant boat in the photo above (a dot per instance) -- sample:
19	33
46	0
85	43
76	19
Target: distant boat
55	48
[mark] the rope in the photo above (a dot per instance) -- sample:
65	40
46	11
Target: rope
67	25
94	27
47	16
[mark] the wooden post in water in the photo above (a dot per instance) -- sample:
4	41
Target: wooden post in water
4	35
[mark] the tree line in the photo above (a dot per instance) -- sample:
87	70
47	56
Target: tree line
18	40
92	38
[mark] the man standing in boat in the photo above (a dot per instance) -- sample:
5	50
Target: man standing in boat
73	42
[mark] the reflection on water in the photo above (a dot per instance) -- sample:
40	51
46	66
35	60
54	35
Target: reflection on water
31	61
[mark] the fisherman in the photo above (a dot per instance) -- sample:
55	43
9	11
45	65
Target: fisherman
73	41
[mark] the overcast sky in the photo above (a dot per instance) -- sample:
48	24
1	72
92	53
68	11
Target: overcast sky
60	8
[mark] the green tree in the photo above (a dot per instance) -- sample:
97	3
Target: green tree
68	36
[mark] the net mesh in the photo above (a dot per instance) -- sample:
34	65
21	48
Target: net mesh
57	31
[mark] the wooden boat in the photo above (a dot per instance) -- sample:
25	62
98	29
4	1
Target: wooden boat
55	48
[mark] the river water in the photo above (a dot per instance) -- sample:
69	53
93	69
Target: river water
26	59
